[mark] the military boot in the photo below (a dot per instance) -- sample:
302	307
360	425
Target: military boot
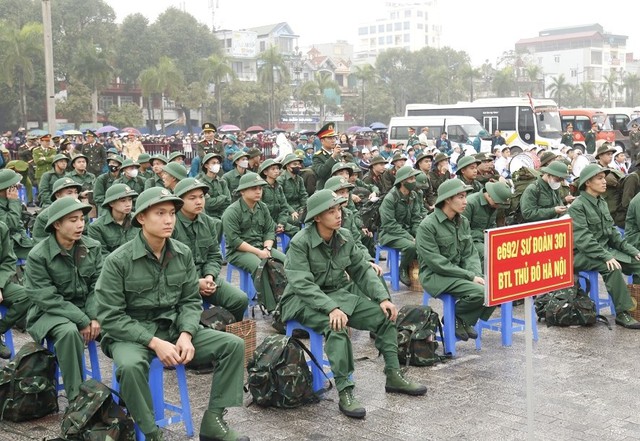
404	277
397	383
461	330
215	428
626	320
471	331
349	405
155	436
5	352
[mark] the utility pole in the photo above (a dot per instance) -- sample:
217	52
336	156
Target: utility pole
48	65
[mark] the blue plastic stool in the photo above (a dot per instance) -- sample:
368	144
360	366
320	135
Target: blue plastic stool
246	283
181	413
22	194
8	336
393	262
506	325
223	248
621	231
448	319
316	343
94	372
284	241
594	291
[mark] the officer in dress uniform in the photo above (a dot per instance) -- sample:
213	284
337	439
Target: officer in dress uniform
95	153
43	156
413	138
325	158
567	137
208	144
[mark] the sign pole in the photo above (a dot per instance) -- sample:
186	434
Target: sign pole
528	336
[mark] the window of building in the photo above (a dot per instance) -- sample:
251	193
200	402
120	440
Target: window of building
389	39
228	43
106	101
126	99
237	67
372	29
372	42
397	40
406	25
407	38
407	13
380	28
596	57
397	26
419	13
263	46
363	30
420	26
393	15
556	58
380	40
389	27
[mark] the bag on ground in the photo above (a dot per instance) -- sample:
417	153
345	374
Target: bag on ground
568	307
417	345
216	317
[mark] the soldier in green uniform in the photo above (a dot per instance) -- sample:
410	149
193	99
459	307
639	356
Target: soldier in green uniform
11	212
632	223
400	215
481	211
106	180
598	246
62	188
12	294
157	165
172	173
630	188
193	228
130	176
448	260
293	185
255	158
567	137
325	158
424	161
60	277
178	157
439	171
232	178
219	197
377	166
43	156
209	144
467	172
634	140
590	138
273	196
59	170
331	285
25	153
115	227
81	175
398	160
413	138
149	307
146	171
604	157
95	153
249	230
541	200
487	169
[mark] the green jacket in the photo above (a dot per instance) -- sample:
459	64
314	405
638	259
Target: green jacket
7	256
630	188
204	147
437	179
595	237
154	181
632	223
480	214
274	198
388	178
369	186
86	179
137	295
45	187
373	180
43	158
204	246
538	202
350	223
476	184
96	157
147	174
232	178
323	162
61	284
567	139
136	183
218	196
111	234
294	190
324	276
11	215
590	141
241	224
103	182
445	252
400	216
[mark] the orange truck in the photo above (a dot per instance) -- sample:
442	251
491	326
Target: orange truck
582	120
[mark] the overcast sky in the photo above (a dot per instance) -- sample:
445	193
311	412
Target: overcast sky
484	29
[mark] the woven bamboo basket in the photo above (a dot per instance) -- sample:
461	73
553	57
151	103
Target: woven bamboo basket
634	292
246	330
414	276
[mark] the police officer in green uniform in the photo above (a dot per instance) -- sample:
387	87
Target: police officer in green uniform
273	196
25	154
81	175
398	160
481	211
106	180
598	246
146	171
232	178
541	200
208	144
331	286
62	188
448	260
467	172
11	212
149	307
400	215
58	170
292	184
157	165
219	197
114	227
60	277
590	138
249	230
43	156
172	173
12	294
439	171
193	228
95	152
130	176
325	158
567	137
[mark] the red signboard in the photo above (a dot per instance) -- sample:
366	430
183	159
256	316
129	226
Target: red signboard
527	260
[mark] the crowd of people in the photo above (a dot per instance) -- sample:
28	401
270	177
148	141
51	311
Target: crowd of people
125	247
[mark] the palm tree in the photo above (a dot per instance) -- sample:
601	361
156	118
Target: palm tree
366	74
93	68
215	70
533	74
150	89
21	47
316	89
610	85
164	79
587	90
273	68
558	88
470	74
631	84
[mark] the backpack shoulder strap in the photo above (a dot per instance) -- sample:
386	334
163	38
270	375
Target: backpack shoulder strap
313	359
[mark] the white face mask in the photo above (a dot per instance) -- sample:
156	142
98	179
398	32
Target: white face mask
214	168
555	185
244	163
132	173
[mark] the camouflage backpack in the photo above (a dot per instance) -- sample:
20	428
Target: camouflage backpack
216	317
521	180
417	345
94	416
270	281
28	385
568	307
279	375
370	213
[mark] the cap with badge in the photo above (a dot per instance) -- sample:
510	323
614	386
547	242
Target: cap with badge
63	183
249	180
189	184
450	188
154	196
63	207
321	201
116	192
327	131
209	127
176	170
91	133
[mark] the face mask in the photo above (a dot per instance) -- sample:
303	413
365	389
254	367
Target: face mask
114	168
132	173
295	170
555	185
214	168
410	186
244	163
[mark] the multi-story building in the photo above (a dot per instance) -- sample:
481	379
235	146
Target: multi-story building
409	24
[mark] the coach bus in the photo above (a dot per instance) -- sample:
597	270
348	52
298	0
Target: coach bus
521	121
581	120
620	118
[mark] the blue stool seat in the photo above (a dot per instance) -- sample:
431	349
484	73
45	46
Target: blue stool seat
506	324
284	241
393	262
246	282
180	413
448	318
594	291
94	372
223	247
8	336
316	349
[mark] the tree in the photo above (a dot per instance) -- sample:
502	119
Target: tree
164	79
609	86
21	48
317	90
127	115
193	96
470	74
135	48
631	84
366	74
77	106
271	70
93	67
214	70
246	103
533	73
378	103
558	88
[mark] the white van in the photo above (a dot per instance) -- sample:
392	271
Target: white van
460	129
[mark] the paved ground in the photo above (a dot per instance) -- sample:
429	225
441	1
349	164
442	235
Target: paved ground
586	389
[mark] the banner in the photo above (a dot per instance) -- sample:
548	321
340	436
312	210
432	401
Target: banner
527	260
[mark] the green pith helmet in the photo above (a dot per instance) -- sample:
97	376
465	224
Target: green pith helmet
144	158
321	201
159	157
556	168
450	188
499	192
466	161
266	164
589	172
175	155
239	155
336	183
405	172
130	163
176	170
151	197
62	207
186	185
291	157
341	166
63	183
209	156
8	178
377	160
59	157
78	156
605	148
249	180
118	191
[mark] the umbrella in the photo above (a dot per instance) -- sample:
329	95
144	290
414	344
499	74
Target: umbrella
278	130
633	121
72	132
38	132
307	132
377	126
364	130
228	128
353	129
59	133
131	131
106	129
254	129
